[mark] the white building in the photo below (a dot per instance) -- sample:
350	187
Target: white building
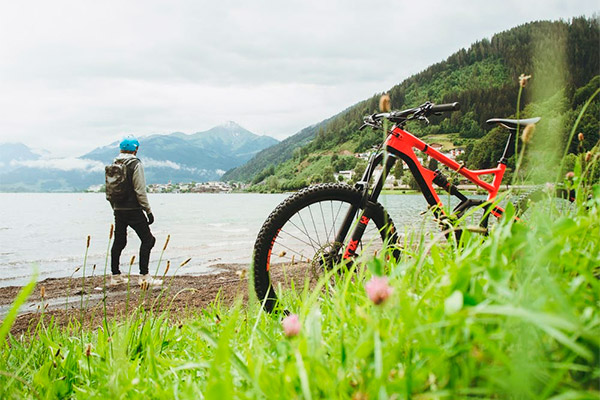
347	175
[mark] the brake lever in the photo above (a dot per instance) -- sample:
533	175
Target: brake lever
372	125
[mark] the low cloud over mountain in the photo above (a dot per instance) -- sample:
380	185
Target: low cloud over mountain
178	157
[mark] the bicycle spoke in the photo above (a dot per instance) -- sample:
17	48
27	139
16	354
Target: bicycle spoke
313	221
299	234
298	239
324	224
333	219
305	232
292	250
333	231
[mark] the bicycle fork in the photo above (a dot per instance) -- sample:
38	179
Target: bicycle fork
357	234
369	200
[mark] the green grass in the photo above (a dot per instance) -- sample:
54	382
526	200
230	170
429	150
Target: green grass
513	315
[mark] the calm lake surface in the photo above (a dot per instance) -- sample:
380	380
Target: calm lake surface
48	231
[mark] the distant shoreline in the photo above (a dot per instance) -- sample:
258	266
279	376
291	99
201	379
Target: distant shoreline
467	188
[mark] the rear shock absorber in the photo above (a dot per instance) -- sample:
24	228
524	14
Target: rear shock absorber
440	179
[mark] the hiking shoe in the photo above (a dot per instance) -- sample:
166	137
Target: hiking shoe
116	280
147	281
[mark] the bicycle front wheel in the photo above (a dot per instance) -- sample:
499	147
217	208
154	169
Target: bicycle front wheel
298	242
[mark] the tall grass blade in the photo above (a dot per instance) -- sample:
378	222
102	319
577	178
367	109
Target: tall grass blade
10	318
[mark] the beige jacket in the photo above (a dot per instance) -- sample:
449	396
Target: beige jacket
139	182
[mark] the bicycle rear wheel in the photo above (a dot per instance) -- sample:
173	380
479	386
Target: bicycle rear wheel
297	241
556	199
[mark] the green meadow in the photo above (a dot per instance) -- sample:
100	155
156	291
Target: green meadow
510	315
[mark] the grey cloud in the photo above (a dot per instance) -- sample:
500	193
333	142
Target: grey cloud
148	162
152	163
62	164
76	74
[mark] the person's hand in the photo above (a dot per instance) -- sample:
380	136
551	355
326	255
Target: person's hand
150	219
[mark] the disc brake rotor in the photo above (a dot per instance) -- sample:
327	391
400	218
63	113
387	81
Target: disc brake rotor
326	257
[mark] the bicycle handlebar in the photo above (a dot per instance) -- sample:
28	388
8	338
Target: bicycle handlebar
420	112
445	107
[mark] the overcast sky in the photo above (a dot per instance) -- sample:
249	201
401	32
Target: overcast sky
75	75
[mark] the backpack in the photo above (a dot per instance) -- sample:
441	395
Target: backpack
116	177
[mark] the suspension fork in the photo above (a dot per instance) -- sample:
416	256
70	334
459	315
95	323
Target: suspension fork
369	205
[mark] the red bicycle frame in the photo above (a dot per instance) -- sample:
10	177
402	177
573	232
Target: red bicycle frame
402	143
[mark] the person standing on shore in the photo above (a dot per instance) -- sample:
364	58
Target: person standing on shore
126	192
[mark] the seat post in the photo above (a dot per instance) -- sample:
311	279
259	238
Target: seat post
512	125
503	159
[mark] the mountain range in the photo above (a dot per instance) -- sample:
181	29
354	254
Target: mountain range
178	157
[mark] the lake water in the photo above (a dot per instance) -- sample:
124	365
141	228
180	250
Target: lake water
48	231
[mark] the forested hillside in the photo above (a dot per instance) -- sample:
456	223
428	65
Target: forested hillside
562	57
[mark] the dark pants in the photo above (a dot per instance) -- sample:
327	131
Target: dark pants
137	220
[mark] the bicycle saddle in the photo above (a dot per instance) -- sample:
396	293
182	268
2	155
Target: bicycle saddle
513	123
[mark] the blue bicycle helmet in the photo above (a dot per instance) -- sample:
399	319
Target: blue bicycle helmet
129	143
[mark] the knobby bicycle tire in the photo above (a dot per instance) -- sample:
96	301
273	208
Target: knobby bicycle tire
303	214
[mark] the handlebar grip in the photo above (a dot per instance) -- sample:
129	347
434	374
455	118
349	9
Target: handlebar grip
445	107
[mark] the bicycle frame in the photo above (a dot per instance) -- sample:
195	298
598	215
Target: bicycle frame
401	144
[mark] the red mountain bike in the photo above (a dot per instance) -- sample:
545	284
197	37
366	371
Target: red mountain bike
324	225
